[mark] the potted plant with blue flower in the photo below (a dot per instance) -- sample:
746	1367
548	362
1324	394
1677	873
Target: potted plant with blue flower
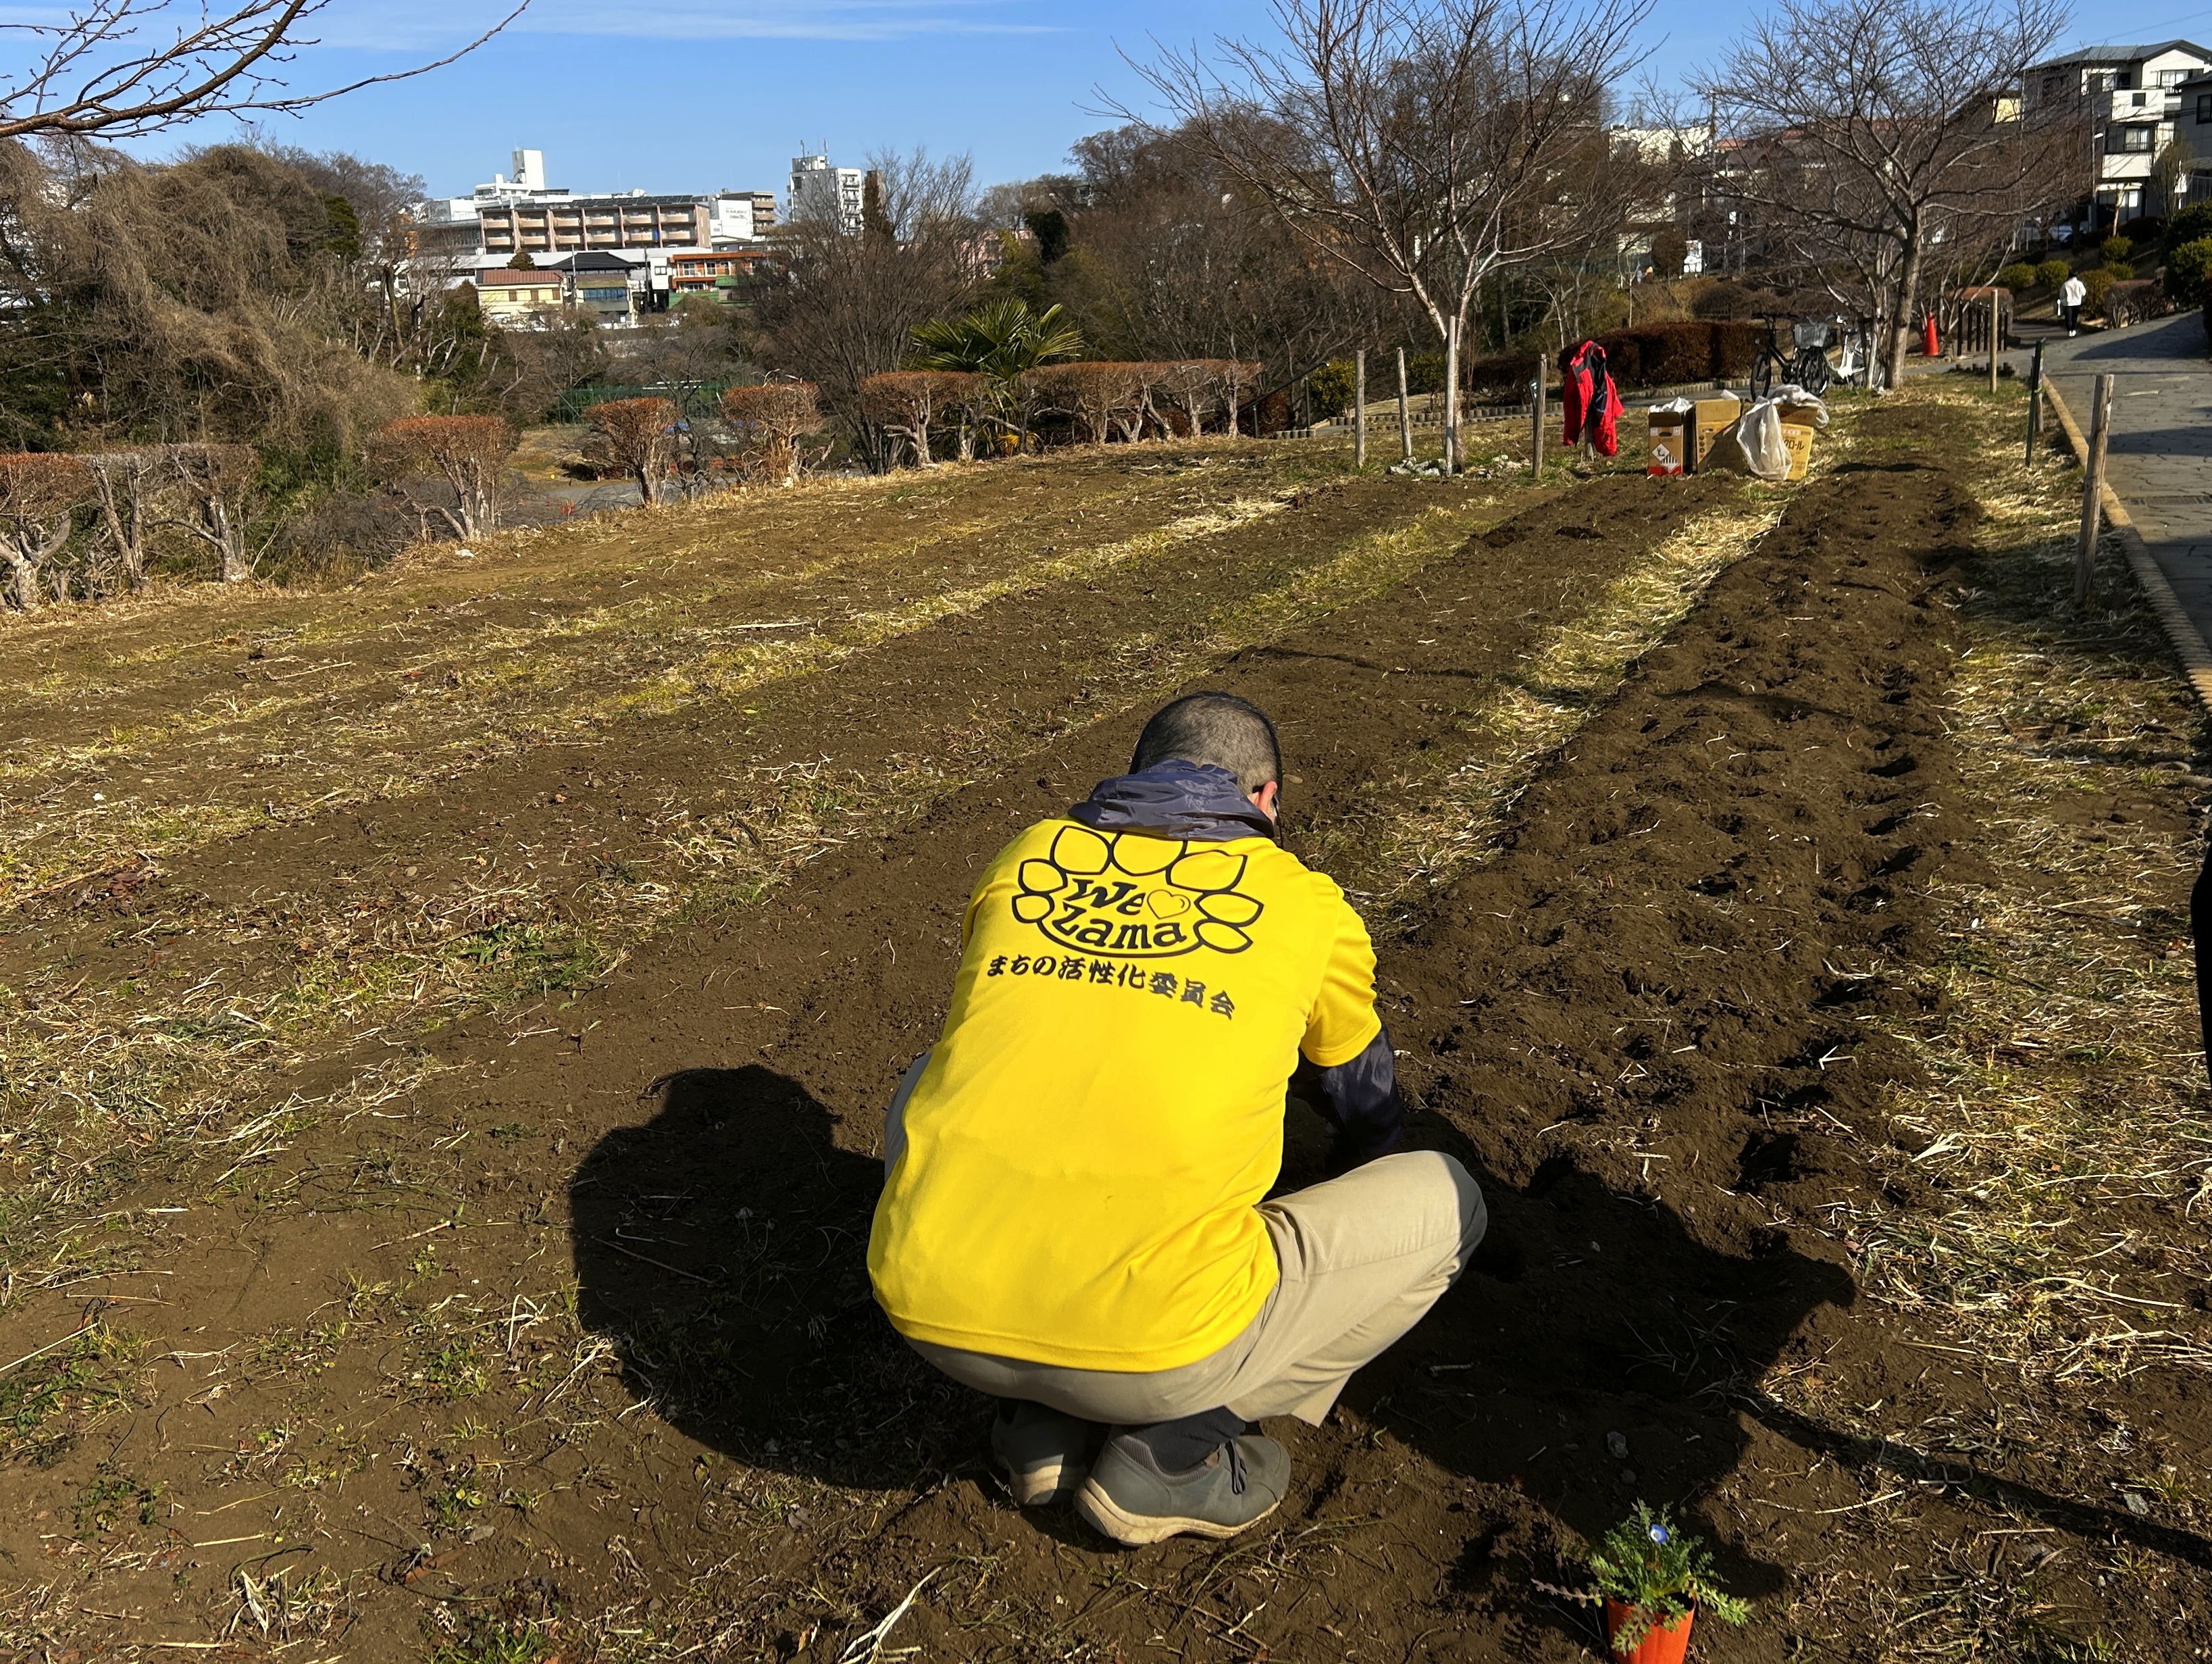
1653	1579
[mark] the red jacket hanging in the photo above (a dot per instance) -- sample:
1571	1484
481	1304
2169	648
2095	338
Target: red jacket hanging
1588	397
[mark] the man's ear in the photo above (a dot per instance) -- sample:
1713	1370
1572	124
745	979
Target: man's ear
1265	799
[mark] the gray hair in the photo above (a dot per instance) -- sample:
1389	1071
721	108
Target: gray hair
1213	727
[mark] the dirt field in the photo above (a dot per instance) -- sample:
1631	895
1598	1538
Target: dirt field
446	1025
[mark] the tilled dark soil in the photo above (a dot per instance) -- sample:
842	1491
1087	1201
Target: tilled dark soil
1638	1021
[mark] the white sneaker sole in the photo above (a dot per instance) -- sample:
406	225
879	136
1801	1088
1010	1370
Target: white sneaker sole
1137	1530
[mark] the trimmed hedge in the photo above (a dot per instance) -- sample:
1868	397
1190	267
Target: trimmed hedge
1688	350
1505	375
2190	223
1500	375
2132	302
2187	266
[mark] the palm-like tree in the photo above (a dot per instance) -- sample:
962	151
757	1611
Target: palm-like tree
1004	341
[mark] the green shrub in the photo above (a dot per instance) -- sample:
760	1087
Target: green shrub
2051	273
2120	272
2190	223
2133	303
2018	277
1331	387
1424	372
2187	267
2097	285
2116	250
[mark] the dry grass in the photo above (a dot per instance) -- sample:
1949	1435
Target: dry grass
1419	831
2065	1118
2041	1232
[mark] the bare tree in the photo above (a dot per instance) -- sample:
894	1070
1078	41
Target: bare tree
907	403
208	299
1095	393
217	481
1868	133
1427	143
1171	258
639	437
771	419
40	492
840	305
466	451
127	488
126	68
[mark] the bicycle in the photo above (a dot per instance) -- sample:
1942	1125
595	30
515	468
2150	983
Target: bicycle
1806	365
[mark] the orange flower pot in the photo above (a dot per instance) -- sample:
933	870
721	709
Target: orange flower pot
1662	1644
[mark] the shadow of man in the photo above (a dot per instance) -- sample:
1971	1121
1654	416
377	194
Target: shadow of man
1596	1352
722	1247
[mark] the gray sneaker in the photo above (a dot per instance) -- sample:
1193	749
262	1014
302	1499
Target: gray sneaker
1043	1452
1130	1497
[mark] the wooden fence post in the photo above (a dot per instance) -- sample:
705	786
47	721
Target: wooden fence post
1996	335
2034	402
2093	490
1536	421
1404	415
1359	408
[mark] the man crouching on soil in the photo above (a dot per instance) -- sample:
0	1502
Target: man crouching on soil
1071	1219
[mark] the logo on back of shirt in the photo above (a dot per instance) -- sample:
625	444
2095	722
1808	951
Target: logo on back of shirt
1130	897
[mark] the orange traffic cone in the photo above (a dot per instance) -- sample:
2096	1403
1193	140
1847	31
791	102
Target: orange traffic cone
1928	342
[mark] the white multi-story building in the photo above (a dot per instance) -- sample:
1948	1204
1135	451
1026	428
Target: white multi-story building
819	191
2192	124
525	215
2130	104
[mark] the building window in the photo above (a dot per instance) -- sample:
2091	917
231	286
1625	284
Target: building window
2132	140
2204	107
2172	78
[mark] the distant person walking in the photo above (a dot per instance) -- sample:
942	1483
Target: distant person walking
2071	293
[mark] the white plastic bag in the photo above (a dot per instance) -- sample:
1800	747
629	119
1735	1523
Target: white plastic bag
1796	401
1752	444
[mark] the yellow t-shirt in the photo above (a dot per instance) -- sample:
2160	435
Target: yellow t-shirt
1084	1151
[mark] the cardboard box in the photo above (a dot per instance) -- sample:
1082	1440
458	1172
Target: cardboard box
1708	417
1797	435
1668	446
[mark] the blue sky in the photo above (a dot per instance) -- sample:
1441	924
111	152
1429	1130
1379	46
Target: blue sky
697	94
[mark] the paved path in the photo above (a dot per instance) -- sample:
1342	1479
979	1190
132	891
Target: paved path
2159	457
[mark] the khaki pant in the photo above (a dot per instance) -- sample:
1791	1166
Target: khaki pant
1362	1257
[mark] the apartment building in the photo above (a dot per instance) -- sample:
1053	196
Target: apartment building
524	214
569	224
722	274
2130	102
820	191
